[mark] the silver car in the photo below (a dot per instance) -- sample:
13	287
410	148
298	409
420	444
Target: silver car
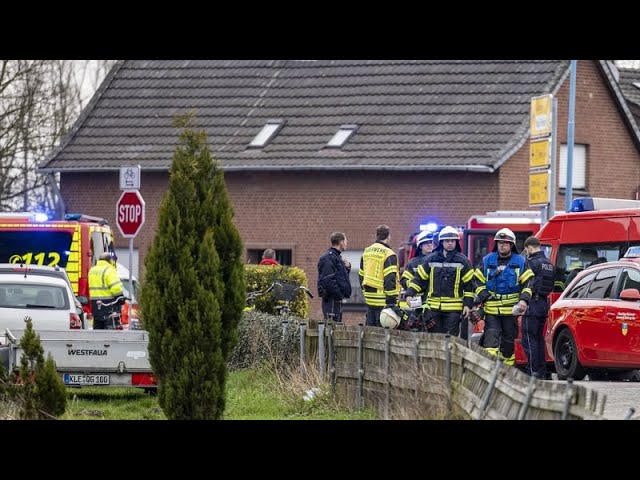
40	292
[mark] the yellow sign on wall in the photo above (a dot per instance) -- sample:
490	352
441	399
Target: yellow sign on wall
540	153
538	188
541	115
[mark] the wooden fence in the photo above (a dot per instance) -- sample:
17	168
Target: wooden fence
422	375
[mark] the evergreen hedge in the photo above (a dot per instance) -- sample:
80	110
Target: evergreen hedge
260	277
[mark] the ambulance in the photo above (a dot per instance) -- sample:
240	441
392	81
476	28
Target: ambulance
74	244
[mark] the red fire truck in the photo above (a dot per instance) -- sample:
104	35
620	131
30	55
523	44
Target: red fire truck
74	243
595	229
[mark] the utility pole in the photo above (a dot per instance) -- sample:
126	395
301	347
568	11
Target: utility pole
572	107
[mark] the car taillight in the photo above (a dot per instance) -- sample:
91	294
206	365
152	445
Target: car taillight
142	379
124	313
74	321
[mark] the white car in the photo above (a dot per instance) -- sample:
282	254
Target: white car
42	293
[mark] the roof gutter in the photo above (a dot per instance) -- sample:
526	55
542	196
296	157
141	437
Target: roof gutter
300	168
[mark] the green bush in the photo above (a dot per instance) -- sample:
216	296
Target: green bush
259	277
260	341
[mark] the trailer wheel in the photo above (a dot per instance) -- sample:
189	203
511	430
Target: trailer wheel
566	357
151	391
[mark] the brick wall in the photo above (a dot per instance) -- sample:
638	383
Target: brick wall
613	160
299	211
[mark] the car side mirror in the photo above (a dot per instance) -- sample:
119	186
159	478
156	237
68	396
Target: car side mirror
85	301
631	294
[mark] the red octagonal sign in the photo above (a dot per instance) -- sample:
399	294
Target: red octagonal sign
130	213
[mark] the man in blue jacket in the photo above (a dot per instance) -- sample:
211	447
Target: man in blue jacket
333	278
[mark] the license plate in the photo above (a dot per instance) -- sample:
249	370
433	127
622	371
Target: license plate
73	379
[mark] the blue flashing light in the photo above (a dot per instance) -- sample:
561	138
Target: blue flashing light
429	227
72	216
41	217
582	204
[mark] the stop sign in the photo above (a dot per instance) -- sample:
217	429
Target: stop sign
130	213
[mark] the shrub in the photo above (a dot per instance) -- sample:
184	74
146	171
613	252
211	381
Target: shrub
259	277
260	341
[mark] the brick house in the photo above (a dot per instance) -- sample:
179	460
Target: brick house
311	147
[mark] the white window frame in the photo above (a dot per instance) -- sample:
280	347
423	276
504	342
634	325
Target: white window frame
579	167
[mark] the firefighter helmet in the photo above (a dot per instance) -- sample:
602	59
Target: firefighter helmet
423	237
505	235
389	318
448	233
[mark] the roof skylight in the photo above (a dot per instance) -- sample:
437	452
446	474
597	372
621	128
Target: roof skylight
342	135
267	133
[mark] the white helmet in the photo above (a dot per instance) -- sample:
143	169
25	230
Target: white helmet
389	318
423	237
449	233
505	235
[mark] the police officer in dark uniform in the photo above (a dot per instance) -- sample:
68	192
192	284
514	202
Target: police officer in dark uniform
533	321
333	278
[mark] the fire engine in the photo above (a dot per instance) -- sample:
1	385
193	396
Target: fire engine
595	230
74	243
477	235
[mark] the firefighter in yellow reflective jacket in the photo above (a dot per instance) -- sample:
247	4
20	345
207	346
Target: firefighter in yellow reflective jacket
503	287
446	277
104	285
379	276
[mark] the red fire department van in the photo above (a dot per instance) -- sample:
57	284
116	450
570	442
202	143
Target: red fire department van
596	230
74	243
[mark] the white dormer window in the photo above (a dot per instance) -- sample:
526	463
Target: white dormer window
267	133
342	135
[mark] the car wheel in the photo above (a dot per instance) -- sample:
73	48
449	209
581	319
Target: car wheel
566	357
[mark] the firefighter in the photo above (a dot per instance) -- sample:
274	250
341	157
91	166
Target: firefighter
446	277
533	322
104	285
424	246
503	287
379	276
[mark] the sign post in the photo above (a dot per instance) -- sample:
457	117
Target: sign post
130	214
540	155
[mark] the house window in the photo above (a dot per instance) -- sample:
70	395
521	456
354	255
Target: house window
579	167
267	133
354	257
284	256
342	135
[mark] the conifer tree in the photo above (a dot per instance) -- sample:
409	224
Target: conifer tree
194	292
43	394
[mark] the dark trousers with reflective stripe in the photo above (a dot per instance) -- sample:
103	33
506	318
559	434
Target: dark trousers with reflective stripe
500	330
447	322
332	309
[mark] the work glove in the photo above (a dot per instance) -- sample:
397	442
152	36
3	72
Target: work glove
476	314
519	308
429	320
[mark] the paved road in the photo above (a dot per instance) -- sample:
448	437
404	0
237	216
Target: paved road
620	396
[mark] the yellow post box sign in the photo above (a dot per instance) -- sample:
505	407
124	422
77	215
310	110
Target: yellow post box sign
540	153
541	115
538	188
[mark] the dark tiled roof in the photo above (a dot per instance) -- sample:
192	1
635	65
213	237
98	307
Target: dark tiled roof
629	77
630	86
458	114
